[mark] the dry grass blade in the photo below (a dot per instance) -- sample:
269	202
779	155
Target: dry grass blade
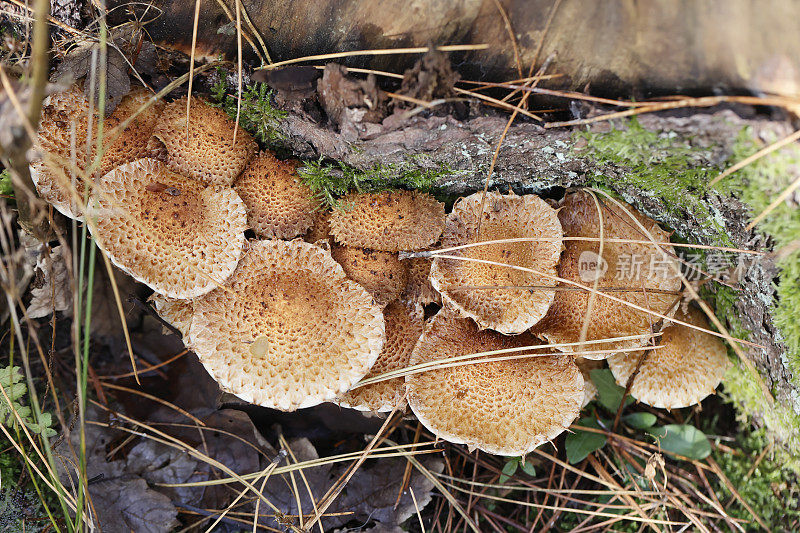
377	52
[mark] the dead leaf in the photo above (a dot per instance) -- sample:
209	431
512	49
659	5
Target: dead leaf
129	505
52	290
370	495
122	500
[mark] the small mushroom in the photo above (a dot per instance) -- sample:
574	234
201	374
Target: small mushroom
404	325
67	119
418	288
289	330
499	297
640	274
279	204
202	149
503	407
177	313
132	143
388	221
320	229
687	366
381	273
170	232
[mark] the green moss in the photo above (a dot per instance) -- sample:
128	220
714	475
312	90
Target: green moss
257	114
661	165
330	181
6	188
758	184
770	488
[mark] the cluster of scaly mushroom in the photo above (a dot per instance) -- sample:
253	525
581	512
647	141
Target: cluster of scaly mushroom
288	323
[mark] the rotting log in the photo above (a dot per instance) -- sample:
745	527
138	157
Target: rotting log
534	159
659	46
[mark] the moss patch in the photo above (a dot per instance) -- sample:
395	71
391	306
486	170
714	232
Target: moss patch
759	184
662	165
330	181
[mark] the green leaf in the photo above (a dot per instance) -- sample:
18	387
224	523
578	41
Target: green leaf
640	420
6	188
683	439
580	444
528	468
509	469
609	393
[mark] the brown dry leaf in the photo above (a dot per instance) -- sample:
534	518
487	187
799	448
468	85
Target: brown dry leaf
52	288
123	501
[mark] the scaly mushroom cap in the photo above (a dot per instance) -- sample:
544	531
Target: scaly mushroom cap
172	233
639	269
63	131
418	288
381	273
688	365
389	221
586	366
320	229
208	153
404	325
503	407
132	143
177	313
289	330
279	204
468	285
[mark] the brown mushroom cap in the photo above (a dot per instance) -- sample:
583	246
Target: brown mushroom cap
687	367
63	131
586	366
320	229
289	330
389	221
418	288
177	313
279	204
172	233
468	285
132	143
404	325
381	273
503	407
640	268
208	153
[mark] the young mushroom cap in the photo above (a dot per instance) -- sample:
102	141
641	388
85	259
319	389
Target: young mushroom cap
503	407
208	152
404	325
67	119
132	143
389	221
418	288
640	274
289	330
320	229
177	313
500	297
170	232
381	273
279	204
687	366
